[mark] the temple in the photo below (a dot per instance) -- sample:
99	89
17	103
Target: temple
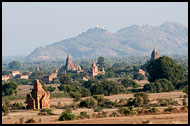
154	54
94	70
69	66
38	97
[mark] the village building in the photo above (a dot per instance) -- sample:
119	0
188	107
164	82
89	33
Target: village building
15	72
141	72
24	77
94	70
38	97
48	79
6	77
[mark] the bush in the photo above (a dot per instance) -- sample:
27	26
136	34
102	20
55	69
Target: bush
160	85
9	88
89	103
18	105
170	109
184	102
30	121
140	99
76	96
153	110
114	114
5	110
98	109
45	112
66	116
166	102
85	92
127	111
83	115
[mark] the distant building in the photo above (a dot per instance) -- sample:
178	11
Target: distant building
37	69
94	70
6	77
154	54
141	72
24	77
48	79
15	72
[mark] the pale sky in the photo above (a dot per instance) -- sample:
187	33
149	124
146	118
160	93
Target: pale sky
28	25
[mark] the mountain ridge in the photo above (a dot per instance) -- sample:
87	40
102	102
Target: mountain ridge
170	38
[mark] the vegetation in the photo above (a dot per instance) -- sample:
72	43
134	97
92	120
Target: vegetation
165	67
88	103
139	100
160	85
66	116
9	88
14	65
45	112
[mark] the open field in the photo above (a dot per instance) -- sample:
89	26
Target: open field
179	118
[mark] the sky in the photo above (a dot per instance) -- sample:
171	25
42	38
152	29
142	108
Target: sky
29	25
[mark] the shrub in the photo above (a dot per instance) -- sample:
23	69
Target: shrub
184	102
45	112
98	109
21	120
140	99
5	110
89	103
127	111
166	102
114	114
85	92
83	115
170	109
153	110
76	96
30	121
18	105
66	116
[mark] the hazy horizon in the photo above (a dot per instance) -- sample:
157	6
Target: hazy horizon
26	26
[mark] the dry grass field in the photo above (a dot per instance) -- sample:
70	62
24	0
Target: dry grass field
170	118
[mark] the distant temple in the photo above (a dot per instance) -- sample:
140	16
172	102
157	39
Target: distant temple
154	54
37	69
94	70
38	97
69	66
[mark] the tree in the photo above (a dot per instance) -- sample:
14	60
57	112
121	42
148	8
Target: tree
138	76
14	65
9	88
65	79
101	61
129	83
165	67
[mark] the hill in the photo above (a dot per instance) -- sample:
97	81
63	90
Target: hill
170	37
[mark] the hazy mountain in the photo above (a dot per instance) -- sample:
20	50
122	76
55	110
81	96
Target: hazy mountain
170	38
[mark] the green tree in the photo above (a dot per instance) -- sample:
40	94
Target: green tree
165	67
14	65
101	61
9	88
65	79
138	76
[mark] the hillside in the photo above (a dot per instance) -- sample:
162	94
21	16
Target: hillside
138	40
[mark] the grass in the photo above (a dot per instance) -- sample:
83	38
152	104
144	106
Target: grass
59	95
